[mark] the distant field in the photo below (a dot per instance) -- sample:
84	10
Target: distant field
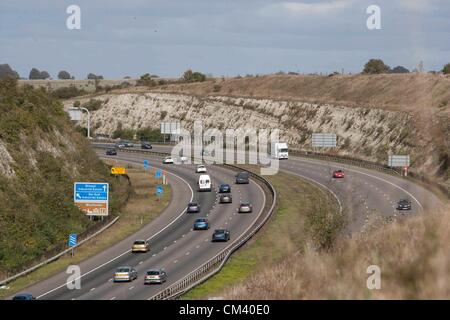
88	85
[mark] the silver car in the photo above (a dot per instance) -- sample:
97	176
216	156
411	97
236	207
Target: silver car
125	274
225	198
155	276
245	207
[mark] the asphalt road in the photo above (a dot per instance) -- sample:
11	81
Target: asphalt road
174	245
362	194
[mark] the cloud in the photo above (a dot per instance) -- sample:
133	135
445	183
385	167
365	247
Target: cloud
322	7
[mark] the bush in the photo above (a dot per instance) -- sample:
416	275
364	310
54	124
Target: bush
399	69
146	80
376	66
68	92
446	69
190	76
92	104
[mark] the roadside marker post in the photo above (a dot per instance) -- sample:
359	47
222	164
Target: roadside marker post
146	164
73	237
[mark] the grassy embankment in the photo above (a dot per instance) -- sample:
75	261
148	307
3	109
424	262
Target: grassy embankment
302	220
142	207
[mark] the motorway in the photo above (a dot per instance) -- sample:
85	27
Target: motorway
180	250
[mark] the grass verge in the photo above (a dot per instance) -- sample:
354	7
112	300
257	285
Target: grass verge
301	206
142	207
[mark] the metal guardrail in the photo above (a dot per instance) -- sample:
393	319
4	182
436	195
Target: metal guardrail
215	264
25	272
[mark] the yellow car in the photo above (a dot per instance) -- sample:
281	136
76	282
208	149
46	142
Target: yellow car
140	246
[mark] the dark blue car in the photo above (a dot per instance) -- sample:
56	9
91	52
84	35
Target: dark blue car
224	188
23	296
221	235
201	224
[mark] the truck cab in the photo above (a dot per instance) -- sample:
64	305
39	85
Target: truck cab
280	150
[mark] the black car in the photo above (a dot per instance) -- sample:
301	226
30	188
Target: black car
224	188
221	235
242	178
404	204
146	145
111	152
24	296
225	198
193	207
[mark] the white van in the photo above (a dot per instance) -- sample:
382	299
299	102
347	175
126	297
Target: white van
204	182
280	150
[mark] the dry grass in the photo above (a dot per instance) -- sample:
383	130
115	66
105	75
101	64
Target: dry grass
142	207
412	254
392	91
284	235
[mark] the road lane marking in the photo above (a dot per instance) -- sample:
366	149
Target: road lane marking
128	251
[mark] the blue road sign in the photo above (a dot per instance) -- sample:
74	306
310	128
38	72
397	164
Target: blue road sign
85	191
159	189
145	164
72	240
158	174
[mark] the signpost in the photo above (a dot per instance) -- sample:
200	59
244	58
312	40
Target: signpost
159	190
118	170
324	140
146	164
92	198
400	161
158	174
72	241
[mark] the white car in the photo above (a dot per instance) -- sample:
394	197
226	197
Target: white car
167	160
183	159
201	169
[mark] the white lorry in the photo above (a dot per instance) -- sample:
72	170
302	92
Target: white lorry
279	150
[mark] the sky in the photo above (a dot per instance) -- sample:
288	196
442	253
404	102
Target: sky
223	38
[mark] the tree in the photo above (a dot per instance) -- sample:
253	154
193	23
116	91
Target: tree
376	66
7	72
44	75
446	69
190	76
146	80
92	76
399	69
63	75
34	74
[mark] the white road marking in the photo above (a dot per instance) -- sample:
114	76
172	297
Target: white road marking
92	289
112	298
131	288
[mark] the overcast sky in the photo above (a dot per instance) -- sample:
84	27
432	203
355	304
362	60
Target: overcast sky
222	37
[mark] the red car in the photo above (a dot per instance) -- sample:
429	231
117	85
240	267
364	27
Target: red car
338	174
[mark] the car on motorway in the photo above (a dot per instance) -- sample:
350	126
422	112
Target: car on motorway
225	198
128	144
140	246
404	204
193	207
157	275
183	159
222	235
23	296
242	177
205	153
120	145
167	160
111	152
201	224
146	145
125	274
204	183
338	174
245	207
224	188
200	169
